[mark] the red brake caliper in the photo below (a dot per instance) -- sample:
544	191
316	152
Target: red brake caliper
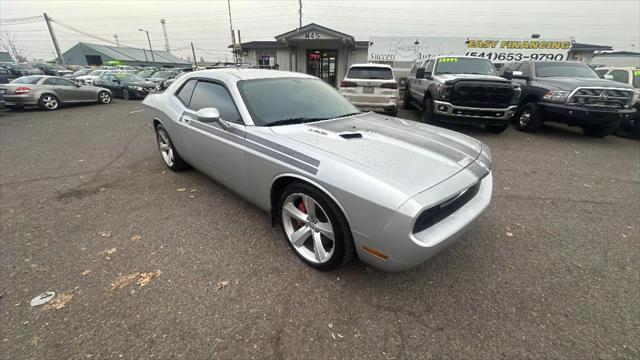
302	208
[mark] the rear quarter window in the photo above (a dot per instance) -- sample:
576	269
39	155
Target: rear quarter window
370	73
184	94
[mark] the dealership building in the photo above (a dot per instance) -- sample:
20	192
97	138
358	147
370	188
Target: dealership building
95	55
312	49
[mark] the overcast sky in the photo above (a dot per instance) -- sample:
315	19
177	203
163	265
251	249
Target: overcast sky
206	23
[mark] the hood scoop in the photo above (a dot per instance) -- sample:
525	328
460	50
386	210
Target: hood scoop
350	136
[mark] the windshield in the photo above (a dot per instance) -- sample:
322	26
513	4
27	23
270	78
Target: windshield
81	72
22	66
565	69
292	100
27	80
129	77
163	74
146	73
96	72
370	72
455	65
636	79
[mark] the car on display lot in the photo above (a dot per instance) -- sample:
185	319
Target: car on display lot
52	69
371	87
77	73
145	74
90	77
22	69
163	75
572	93
50	92
126	86
631	76
337	180
461	89
165	84
5	76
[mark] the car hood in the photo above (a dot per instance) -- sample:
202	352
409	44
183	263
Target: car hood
415	155
144	84
84	77
452	78
156	79
566	83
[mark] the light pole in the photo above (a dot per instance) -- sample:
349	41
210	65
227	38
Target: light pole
150	48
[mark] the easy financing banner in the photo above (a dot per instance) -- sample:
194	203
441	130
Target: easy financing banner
385	48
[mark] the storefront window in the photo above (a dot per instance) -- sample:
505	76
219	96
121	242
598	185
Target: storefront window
266	59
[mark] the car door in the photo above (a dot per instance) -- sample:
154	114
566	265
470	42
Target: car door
215	151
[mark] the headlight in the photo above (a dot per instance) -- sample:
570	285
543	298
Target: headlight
444	91
556	96
636	96
517	90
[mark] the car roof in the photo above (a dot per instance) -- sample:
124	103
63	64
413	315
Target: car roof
385	66
236	74
617	68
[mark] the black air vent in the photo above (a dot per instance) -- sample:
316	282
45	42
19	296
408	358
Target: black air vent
352	136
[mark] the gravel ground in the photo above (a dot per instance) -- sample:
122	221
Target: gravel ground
551	270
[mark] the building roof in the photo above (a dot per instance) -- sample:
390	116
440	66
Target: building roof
316	27
262	45
124	53
619	53
589	47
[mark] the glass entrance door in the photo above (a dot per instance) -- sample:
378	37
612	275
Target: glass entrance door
323	64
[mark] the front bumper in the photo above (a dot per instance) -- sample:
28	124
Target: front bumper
406	249
579	115
472	115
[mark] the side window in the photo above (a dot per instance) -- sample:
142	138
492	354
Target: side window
602	72
414	69
526	69
208	94
429	66
50	81
620	76
63	82
184	94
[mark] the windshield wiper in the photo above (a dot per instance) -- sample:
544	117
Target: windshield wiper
299	120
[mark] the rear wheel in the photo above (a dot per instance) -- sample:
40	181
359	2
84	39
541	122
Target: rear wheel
497	129
393	112
104	97
48	102
406	100
315	228
529	118
168	152
428	116
598	131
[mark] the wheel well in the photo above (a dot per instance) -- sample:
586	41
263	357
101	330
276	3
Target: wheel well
48	93
528	99
427	95
276	189
156	122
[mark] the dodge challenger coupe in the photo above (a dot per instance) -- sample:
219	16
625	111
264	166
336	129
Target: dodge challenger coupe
339	181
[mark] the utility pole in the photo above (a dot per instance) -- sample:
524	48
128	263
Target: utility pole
53	38
193	51
240	48
299	15
233	35
150	48
115	36
166	38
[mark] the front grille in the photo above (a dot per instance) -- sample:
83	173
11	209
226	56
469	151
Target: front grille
482	94
601	97
435	214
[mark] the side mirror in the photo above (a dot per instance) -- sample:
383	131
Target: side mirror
608	77
209	115
518	75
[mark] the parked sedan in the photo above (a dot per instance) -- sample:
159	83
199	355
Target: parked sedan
126	86
89	78
161	76
50	92
18	70
338	181
52	69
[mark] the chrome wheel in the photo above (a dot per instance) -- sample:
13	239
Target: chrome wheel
525	118
166	149
308	228
105	98
50	102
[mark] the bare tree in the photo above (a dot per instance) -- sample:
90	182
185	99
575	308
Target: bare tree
8	43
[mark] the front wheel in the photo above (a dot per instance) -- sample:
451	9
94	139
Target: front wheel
529	118
496	129
104	97
406	100
315	228
598	131
168	152
428	116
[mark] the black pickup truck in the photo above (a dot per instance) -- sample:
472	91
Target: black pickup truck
461	89
571	93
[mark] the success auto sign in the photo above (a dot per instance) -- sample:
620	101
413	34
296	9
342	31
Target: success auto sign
504	50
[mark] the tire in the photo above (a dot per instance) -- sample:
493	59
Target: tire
598	131
393	112
104	97
326	219
496	129
48	102
406	100
168	153
427	116
529	118
126	94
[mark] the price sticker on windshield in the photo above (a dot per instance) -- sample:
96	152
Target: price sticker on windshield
636	72
448	60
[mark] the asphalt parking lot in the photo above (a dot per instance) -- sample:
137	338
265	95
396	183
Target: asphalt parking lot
551	270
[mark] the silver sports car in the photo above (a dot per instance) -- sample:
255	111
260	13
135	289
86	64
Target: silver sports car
50	92
339	182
